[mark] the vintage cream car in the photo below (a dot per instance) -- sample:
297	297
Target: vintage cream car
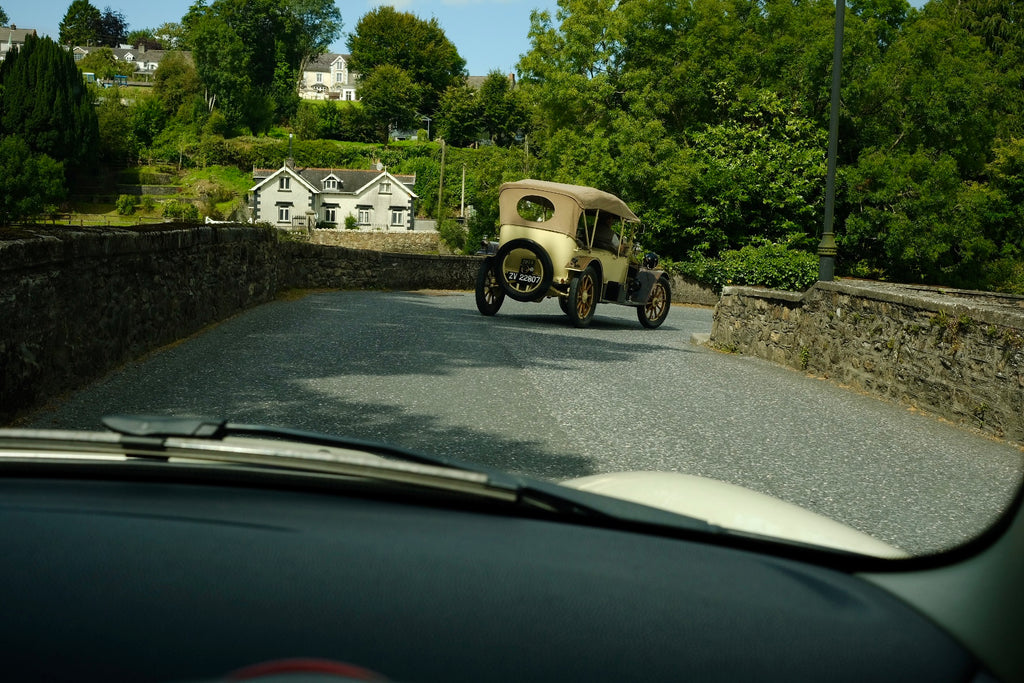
574	243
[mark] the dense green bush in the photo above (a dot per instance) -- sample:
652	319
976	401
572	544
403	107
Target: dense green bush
181	211
126	204
762	264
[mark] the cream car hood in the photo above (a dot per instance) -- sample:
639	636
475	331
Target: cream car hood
733	507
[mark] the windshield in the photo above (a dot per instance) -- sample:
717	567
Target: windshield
621	271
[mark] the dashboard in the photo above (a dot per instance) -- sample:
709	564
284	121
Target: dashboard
151	577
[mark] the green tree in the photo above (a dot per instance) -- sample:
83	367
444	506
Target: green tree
172	36
3	17
248	53
459	116
29	182
81	24
117	143
420	48
389	97
113	29
45	102
103	63
319	25
145	37
502	114
176	82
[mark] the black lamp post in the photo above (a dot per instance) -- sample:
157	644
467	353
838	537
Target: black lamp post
827	246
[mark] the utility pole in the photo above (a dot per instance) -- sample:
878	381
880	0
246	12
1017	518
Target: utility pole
440	185
827	246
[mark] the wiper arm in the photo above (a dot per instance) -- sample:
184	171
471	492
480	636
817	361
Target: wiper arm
152	430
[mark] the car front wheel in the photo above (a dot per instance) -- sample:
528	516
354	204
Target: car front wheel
653	313
489	294
583	298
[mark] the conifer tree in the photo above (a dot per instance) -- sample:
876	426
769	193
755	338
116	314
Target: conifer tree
44	101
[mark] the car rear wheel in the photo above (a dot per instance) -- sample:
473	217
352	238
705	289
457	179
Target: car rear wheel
524	269
654	312
489	294
582	298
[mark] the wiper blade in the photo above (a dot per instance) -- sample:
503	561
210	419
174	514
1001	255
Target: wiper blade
528	491
151	430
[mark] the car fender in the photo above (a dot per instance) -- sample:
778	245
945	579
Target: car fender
645	280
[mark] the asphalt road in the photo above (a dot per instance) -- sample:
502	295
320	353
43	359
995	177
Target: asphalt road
524	391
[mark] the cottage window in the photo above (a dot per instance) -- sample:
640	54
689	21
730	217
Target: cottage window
285	183
284	214
331	215
397	217
319	78
385	187
331	184
364	216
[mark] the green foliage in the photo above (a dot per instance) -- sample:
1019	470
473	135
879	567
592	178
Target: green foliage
763	264
458	122
181	211
709	117
176	82
117	143
80	25
126	204
502	113
453	234
29	182
390	98
248	54
351	222
420	48
102	63
45	102
112	28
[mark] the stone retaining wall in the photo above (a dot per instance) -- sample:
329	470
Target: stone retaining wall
952	353
75	304
404	242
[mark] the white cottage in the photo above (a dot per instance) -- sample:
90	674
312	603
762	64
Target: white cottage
289	197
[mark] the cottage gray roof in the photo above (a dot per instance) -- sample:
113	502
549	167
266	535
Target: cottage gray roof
350	180
12	35
323	62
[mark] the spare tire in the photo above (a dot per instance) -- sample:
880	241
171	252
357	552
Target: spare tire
524	269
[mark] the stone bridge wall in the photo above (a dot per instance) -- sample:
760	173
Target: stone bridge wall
75	304
956	354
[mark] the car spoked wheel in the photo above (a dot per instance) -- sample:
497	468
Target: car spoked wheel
654	312
524	269
583	298
489	294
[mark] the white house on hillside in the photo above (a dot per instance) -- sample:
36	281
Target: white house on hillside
13	37
288	197
327	77
145	61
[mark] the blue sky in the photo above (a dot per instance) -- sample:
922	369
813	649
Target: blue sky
489	34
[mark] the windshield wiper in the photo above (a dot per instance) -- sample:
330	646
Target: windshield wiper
150	431
530	491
